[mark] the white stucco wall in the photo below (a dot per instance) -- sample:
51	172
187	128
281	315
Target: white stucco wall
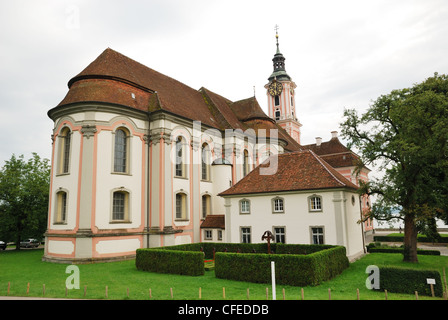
338	218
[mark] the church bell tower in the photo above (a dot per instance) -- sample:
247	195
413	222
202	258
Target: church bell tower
281	96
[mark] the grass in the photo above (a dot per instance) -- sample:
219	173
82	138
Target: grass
25	266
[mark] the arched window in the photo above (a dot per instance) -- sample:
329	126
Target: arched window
61	207
180	154
206	205
246	167
205	164
120	206
64	150
181	206
121	151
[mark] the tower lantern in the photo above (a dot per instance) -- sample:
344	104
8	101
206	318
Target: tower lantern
281	95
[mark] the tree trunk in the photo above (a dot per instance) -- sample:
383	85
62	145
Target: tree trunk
410	239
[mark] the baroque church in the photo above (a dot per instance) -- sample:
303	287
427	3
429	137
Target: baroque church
141	160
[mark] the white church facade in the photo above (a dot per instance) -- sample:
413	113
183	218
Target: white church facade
142	160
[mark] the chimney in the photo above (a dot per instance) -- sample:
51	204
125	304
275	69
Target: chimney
334	134
318	141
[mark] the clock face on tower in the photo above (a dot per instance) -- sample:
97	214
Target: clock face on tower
275	88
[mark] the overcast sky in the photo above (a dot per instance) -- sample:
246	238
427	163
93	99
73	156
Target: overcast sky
339	53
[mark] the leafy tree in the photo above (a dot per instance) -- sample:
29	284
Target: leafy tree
24	189
405	133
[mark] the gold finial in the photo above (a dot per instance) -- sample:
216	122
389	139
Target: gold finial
276	36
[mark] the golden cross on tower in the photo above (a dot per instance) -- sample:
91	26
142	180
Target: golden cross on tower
276	34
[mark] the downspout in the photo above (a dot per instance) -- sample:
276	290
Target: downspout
148	179
362	226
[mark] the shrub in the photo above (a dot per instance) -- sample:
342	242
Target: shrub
404	280
290	269
384	248
299	265
400	238
170	261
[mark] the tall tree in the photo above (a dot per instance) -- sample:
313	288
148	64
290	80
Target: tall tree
24	189
405	133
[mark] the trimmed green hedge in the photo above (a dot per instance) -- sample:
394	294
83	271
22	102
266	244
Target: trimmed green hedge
299	265
208	247
290	269
398	238
400	250
170	261
404	280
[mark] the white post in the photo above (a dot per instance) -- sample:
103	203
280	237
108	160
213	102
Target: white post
273	280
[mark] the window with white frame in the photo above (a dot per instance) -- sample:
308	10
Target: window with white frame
208	234
315	203
245	235
278	205
317	235
280	234
244	206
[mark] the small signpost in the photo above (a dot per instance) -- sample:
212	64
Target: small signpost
274	297
431	282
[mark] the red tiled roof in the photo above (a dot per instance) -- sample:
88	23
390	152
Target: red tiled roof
330	147
117	79
296	171
214	221
113	67
334	153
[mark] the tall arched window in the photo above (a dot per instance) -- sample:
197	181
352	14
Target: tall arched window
64	150
61	207
180	172
205	162
121	151
206	205
246	167
181	206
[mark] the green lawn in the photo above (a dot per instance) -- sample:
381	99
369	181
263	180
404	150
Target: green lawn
25	266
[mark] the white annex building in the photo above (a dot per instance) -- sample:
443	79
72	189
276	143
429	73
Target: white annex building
141	160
